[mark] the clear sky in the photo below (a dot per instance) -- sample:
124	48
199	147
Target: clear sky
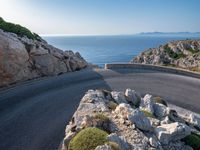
103	16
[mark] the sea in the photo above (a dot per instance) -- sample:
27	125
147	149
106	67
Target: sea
101	49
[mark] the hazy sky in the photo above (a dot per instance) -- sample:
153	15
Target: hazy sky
103	16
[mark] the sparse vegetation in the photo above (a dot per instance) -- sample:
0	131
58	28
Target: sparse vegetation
101	117
88	139
147	113
193	141
193	51
158	99
172	54
149	53
17	29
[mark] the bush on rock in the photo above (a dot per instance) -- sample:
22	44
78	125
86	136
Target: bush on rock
88	139
193	141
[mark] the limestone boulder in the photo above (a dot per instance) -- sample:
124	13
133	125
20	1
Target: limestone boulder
147	103
132	96
140	120
172	132
160	110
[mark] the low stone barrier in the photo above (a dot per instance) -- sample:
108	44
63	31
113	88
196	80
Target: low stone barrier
154	67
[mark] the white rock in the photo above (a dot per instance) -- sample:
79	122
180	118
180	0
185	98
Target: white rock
194	120
160	110
140	120
172	132
118	97
132	96
166	120
68	138
147	103
103	147
153	142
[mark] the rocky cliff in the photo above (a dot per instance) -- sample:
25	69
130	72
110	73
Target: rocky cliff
111	120
23	58
183	54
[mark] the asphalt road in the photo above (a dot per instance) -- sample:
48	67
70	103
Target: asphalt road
33	115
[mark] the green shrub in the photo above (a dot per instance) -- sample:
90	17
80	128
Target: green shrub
193	141
193	51
172	54
101	117
147	113
149	53
88	139
17	29
158	99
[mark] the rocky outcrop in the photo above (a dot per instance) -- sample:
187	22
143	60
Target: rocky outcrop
130	126
183	54
22	59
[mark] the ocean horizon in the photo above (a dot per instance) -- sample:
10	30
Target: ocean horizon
101	49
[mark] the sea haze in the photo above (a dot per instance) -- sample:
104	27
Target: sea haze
112	49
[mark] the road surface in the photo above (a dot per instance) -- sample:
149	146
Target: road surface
33	115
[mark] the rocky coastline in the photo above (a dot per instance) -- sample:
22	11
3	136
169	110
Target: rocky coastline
23	58
112	120
183	54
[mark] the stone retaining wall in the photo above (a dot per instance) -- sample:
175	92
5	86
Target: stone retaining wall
154	67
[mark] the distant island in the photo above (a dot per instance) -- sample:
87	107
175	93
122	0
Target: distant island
170	33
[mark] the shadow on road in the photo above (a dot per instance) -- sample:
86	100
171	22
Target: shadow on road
33	115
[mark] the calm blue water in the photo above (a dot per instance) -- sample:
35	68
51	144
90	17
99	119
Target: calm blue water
106	49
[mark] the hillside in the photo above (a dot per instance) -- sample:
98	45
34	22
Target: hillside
25	55
183	54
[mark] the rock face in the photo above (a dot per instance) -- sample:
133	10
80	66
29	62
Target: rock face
22	59
183	54
129	126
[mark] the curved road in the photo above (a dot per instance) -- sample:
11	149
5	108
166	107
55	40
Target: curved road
33	115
